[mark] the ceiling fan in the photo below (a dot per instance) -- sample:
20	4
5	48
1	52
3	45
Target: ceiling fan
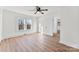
39	9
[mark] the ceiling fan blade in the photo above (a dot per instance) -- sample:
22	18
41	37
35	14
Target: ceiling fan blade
35	12
44	9
41	12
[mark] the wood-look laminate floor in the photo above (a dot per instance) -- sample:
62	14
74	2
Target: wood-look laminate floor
34	43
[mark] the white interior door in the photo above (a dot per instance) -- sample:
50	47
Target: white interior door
41	28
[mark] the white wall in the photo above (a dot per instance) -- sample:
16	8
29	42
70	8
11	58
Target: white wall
55	24
69	34
9	24
48	24
0	24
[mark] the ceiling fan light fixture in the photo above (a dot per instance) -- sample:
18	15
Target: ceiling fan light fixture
39	10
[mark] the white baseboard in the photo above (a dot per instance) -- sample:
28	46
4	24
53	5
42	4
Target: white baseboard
74	45
15	35
10	36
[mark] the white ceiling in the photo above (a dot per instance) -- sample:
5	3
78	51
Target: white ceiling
53	10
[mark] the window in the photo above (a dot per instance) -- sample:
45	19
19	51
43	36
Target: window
21	24
29	23
24	24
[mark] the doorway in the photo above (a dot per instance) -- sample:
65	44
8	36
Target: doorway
56	27
41	28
